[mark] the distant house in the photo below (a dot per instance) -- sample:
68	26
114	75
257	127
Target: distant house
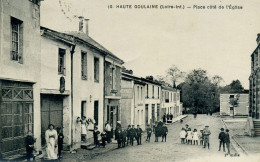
227	109
254	106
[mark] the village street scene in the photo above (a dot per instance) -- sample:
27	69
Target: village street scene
80	83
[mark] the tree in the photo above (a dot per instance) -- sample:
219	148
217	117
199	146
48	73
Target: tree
234	101
174	75
199	92
234	87
216	80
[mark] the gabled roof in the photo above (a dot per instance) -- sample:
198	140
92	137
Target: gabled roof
69	37
91	41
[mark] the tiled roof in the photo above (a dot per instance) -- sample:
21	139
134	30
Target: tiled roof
91	41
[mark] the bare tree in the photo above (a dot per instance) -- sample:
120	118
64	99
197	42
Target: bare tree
174	74
217	80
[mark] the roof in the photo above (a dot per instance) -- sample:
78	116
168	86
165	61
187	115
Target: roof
88	39
169	88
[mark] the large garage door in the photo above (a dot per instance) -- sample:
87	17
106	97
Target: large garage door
51	112
16	116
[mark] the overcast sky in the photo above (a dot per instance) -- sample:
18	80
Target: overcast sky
150	41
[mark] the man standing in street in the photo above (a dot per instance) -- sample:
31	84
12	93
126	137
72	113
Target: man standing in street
132	134
221	138
139	132
164	132
206	133
108	131
227	140
128	134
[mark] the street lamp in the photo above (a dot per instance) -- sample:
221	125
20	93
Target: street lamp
234	101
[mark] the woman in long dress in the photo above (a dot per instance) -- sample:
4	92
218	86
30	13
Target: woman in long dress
84	129
51	138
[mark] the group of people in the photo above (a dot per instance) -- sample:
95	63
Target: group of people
224	139
194	137
167	118
53	139
127	136
160	130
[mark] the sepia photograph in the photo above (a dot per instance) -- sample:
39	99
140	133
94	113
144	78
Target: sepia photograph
130	80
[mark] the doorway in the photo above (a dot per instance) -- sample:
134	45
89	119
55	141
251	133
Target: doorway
51	113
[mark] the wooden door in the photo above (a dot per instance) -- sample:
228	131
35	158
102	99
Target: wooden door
96	112
51	112
146	114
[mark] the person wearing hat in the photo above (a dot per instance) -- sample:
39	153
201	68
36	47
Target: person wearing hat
128	134
96	132
164	132
149	132
206	133
108	131
139	132
221	138
227	140
132	134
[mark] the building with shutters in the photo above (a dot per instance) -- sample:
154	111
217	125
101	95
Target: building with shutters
55	92
19	74
112	89
254	82
132	100
227	109
171	104
152	100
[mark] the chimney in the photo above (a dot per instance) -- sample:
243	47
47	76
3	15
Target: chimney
258	38
83	25
86	25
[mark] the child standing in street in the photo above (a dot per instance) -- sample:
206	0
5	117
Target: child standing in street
221	138
227	140
60	141
195	137
149	133
95	134
183	135
201	137
189	136
29	144
103	139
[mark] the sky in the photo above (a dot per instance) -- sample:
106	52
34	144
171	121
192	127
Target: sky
151	40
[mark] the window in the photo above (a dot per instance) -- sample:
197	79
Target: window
153	91
83	108
61	61
141	93
147	91
175	99
84	66
96	69
137	92
17	40
158	92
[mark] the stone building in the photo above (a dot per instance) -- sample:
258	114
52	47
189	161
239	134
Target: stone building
19	74
112	86
132	100
171	101
152	100
254	82
227	109
56	52
73	82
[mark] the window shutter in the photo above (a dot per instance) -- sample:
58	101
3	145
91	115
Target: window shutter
20	54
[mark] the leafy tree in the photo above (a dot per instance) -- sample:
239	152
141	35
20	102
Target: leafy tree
234	87
199	92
